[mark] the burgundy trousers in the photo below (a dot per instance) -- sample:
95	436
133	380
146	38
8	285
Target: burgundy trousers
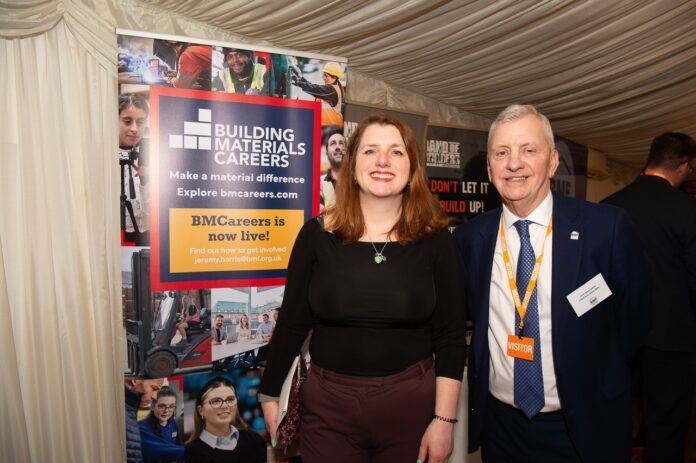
357	419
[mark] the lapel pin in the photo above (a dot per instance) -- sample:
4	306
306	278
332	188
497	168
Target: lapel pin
574	235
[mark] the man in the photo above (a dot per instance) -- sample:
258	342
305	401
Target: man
241	74
139	394
548	367
219	333
335	149
666	223
266	328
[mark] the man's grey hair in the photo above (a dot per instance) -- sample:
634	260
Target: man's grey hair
518	111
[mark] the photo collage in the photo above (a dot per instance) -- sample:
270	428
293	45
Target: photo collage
192	352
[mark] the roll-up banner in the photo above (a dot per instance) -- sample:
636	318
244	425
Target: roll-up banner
458	174
223	152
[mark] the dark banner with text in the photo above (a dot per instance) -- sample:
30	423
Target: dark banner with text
458	173
234	186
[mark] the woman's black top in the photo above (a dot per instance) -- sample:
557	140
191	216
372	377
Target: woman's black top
251	448
369	319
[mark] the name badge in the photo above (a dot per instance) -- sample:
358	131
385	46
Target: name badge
590	294
521	348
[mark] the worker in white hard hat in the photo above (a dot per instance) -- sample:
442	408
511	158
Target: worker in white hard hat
331	94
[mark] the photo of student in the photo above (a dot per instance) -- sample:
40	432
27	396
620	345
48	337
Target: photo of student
159	432
331	93
133	112
241	74
220	435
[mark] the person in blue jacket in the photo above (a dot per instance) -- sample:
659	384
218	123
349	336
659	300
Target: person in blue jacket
161	441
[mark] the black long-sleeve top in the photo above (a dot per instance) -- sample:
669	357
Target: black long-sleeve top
369	319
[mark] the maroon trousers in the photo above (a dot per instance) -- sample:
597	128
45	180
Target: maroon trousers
357	419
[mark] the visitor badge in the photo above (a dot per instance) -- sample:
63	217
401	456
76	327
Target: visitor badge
589	295
520	347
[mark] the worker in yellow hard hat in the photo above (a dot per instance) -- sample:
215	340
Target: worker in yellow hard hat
331	94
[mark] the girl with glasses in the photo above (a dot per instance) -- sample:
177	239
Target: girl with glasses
161	442
220	435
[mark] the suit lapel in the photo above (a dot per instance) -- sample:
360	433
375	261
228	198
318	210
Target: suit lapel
565	266
489	236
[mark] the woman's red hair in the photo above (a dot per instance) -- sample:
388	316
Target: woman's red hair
421	215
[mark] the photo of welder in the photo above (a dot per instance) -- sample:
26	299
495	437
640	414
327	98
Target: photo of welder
184	64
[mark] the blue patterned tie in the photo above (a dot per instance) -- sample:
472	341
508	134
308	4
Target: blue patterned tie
529	382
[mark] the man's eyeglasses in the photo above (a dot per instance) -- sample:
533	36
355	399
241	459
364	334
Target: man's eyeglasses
217	402
163	408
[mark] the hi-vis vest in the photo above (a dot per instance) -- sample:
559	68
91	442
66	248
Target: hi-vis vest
256	79
332	115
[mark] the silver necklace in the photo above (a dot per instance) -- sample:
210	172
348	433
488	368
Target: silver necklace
379	257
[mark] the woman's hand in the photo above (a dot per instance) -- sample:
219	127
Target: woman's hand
270	416
436	444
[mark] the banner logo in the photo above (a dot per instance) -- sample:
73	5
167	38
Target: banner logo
197	135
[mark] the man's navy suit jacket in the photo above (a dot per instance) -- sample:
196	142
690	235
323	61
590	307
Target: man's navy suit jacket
591	352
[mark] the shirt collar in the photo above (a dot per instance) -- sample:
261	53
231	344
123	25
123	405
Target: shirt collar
541	215
228	442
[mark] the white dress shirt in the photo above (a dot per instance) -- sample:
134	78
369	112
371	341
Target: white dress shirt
501	321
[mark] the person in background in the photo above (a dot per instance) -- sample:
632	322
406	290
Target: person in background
376	279
666	223
220	435
548	369
161	442
241	74
219	333
139	394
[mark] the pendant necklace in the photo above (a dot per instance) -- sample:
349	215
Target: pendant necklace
379	257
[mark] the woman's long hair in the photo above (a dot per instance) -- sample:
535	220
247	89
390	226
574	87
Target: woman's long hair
241	321
152	420
198	422
421	215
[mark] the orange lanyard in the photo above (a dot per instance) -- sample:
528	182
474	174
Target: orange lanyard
521	306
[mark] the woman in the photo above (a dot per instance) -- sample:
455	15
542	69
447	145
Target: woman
192	317
220	435
243	330
378	283
132	118
331	94
159	432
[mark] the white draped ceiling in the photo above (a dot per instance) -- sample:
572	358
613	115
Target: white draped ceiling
609	74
